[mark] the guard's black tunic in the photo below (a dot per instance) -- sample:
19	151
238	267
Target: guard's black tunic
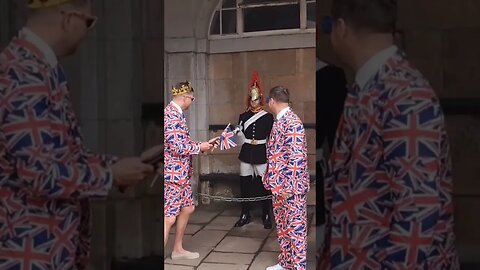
258	130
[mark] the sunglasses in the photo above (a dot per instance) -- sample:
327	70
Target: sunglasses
90	20
326	25
267	99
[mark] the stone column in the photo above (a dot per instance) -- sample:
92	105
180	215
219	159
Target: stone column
121	108
153	92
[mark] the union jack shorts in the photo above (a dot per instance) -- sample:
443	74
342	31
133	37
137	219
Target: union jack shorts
175	198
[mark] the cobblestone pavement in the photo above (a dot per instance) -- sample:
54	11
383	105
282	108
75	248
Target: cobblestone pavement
221	246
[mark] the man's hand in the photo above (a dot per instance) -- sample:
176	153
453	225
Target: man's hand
205	146
153	156
214	142
130	171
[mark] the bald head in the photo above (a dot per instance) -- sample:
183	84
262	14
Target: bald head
62	26
81	5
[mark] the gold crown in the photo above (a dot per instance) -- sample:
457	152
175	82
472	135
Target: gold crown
186	88
34	4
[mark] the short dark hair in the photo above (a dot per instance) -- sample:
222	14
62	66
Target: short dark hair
280	93
378	16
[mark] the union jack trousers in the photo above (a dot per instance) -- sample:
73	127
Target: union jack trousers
389	188
46	174
287	173
179	149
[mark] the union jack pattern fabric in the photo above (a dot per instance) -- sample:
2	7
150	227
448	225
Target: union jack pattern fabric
287	173
46	174
175	198
179	149
389	188
291	219
227	138
287	157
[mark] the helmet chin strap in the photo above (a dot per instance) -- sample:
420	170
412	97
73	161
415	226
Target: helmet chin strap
256	109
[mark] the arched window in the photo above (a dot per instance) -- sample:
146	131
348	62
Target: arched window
262	17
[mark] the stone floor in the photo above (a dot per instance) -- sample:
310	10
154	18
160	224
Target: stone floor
221	246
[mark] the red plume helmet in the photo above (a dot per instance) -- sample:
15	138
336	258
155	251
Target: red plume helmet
255	90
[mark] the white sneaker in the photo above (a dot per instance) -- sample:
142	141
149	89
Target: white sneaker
185	256
276	267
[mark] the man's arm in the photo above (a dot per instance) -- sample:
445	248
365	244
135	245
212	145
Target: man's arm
176	136
108	159
35	142
412	135
296	159
290	162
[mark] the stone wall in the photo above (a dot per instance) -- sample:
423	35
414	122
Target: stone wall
129	42
442	39
230	75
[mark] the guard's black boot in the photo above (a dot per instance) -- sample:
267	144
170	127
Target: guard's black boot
266	208
267	222
266	216
245	218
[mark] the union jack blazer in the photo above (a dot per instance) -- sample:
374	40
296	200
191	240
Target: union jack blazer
389	188
179	148
46	174
287	157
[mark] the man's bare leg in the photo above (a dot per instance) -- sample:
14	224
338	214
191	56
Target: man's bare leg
167	225
182	221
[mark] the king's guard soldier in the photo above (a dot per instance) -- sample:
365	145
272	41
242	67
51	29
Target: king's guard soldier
255	124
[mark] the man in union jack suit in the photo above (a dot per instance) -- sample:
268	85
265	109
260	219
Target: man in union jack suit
389	188
288	180
255	125
47	177
179	149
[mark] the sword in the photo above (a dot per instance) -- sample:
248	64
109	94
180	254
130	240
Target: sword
154	180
